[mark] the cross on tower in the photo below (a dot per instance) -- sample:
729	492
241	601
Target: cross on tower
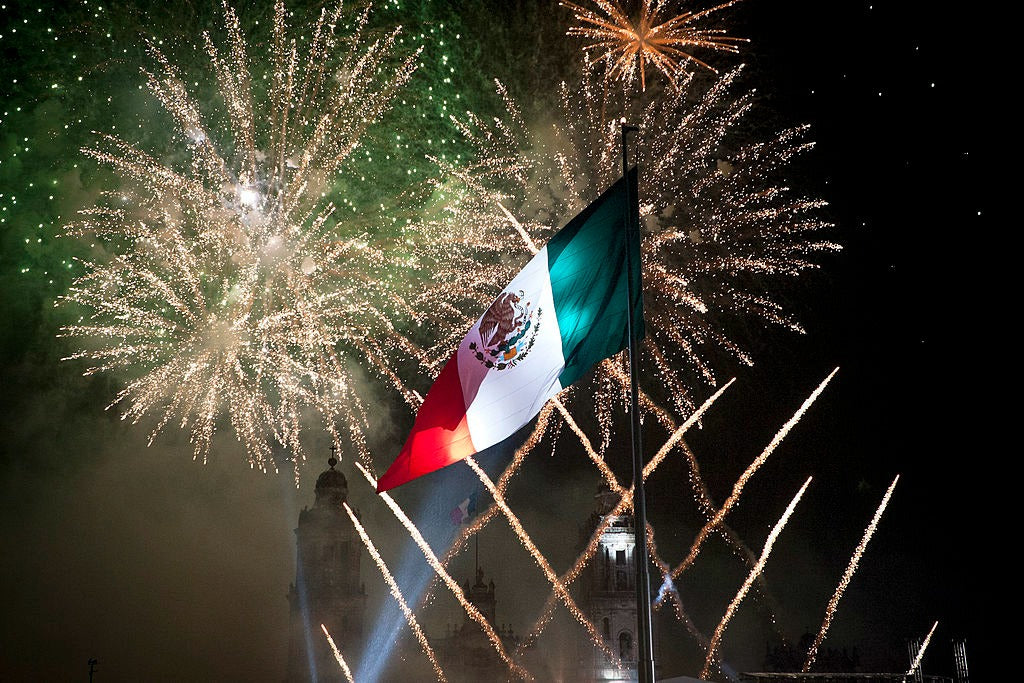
333	460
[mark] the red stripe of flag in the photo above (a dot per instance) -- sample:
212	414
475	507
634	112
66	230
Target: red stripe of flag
439	437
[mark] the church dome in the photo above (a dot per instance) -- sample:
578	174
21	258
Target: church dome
331	486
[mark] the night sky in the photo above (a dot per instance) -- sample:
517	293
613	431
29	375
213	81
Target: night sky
166	569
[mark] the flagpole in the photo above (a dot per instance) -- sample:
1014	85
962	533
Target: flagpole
645	653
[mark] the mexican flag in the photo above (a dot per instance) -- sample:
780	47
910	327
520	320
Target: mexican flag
564	312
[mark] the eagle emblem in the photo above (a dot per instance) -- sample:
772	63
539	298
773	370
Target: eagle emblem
507	331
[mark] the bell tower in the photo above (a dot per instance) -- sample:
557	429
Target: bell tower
608	594
466	653
327	588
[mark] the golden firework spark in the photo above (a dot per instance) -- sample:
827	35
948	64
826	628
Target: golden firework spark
858	552
396	593
628	46
718	230
235	290
342	664
716	639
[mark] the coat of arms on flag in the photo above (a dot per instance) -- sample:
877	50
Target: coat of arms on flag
508	330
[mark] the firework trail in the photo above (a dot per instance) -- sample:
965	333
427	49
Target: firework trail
510	471
621	507
833	603
732	539
396	593
716	639
920	654
545	566
737	488
443	574
625	503
566	579
678	434
707	508
703	499
716	518
234	289
668	585
594	456
627	46
484	518
610	479
337	656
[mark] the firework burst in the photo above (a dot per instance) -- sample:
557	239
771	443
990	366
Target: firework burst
235	289
627	46
718	226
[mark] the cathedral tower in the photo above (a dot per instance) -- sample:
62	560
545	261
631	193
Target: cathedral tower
327	588
465	652
608	594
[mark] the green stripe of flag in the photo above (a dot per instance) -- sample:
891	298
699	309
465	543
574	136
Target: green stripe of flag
587	267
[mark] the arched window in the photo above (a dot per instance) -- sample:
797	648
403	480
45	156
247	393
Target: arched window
626	645
607	626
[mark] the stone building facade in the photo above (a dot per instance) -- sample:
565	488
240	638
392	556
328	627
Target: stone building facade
328	588
607	594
